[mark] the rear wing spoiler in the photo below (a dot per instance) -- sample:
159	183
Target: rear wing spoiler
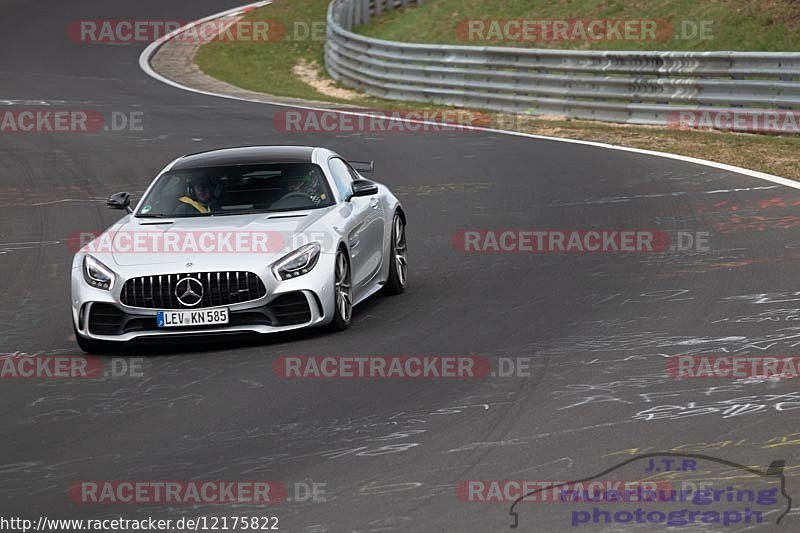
364	167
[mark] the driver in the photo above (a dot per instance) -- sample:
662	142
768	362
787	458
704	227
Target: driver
197	199
310	185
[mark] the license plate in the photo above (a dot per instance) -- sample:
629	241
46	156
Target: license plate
202	317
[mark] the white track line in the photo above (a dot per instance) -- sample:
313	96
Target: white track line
147	53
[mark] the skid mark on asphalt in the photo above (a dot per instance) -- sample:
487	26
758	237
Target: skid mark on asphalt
7	247
6	102
635	197
442	188
530	438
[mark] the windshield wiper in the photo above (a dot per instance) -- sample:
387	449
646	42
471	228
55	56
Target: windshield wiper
148	215
247	212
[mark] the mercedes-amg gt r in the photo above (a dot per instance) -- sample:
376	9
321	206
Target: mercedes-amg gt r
253	239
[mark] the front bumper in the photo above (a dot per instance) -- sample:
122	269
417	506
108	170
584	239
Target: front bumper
302	302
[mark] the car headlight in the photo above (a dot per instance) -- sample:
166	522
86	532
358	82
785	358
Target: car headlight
297	263
97	274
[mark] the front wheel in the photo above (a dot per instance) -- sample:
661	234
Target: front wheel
342	292
398	258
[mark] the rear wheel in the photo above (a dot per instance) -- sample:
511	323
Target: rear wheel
343	293
398	258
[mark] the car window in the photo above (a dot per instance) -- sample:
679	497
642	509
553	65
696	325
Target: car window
342	176
237	189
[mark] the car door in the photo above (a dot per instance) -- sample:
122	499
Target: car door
364	229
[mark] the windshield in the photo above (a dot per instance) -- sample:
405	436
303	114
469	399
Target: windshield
234	190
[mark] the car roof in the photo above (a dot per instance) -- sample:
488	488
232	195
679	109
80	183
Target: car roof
245	155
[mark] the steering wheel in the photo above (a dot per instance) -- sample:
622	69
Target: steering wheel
295	194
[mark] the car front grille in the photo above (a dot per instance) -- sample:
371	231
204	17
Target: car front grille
219	289
289	309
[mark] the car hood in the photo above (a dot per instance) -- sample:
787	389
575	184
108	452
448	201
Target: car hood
230	242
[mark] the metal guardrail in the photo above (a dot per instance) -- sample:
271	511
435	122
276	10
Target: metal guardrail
632	87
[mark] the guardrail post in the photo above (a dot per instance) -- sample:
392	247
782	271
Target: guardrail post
351	15
365	11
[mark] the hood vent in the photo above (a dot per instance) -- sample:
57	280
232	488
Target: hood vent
297	215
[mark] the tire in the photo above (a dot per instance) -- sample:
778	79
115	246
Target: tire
93	346
342	293
398	258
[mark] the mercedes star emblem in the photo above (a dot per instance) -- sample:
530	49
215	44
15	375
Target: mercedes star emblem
189	291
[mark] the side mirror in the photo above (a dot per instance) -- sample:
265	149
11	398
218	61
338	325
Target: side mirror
120	200
364	188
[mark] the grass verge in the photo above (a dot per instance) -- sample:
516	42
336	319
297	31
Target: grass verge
268	66
694	25
766	153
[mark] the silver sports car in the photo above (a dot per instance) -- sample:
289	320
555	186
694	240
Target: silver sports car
253	239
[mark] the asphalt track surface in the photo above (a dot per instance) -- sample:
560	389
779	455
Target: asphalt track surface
597	327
